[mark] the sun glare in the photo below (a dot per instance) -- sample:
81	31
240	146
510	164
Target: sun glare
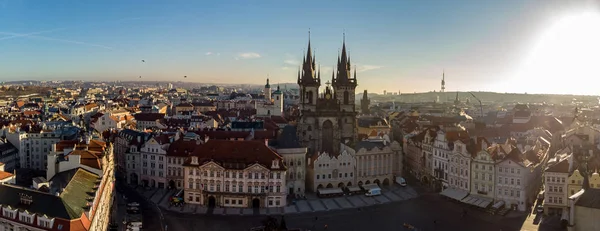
566	59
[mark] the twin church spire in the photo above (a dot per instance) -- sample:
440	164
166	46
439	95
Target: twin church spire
309	75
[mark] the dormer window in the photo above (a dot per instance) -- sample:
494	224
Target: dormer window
194	160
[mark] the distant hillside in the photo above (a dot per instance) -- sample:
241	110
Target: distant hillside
484	97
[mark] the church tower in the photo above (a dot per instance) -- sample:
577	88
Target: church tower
268	91
343	83
344	88
364	104
308	81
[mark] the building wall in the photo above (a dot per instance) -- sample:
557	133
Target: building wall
556	192
133	166
459	161
101	214
175	171
575	182
375	165
440	158
234	188
483	179
511	184
295	160
154	164
586	219
326	170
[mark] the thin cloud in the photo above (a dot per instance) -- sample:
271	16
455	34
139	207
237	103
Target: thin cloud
16	35
57	40
248	55
290	60
363	68
208	53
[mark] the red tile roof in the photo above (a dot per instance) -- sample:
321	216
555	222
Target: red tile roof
182	148
4	175
244	152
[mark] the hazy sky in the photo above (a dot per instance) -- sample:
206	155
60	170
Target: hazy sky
397	45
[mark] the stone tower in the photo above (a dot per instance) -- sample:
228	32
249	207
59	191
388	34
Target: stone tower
365	103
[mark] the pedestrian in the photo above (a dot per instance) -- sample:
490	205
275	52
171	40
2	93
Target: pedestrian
326	226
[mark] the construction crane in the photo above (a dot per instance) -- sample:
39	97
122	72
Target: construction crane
480	104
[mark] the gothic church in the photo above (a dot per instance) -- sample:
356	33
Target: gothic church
327	118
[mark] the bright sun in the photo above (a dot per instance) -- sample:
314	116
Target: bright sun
566	59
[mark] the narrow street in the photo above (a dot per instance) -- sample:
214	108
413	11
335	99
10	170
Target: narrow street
150	214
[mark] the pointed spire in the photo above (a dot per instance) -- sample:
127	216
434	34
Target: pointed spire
319	74
333	74
344	55
309	51
355	73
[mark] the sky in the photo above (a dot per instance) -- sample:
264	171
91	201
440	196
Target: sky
396	45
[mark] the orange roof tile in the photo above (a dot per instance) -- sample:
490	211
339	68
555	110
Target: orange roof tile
4	175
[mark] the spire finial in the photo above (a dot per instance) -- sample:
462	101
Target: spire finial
344	33
309	34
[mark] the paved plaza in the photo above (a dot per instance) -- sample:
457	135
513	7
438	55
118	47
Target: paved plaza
311	204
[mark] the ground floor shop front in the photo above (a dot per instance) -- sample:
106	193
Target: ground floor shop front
235	200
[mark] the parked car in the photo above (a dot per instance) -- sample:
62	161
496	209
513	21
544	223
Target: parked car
539	209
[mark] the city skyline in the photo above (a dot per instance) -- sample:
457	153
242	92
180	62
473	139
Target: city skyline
492	46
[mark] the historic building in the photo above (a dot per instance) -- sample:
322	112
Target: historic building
272	104
177	154
327	119
375	160
460	161
556	193
228	173
154	161
483	170
294	158
328	171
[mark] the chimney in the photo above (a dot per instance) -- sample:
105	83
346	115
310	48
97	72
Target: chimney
139	139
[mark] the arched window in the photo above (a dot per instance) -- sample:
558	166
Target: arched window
327	136
346	97
310	97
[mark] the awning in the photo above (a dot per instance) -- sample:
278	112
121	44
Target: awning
498	204
354	189
325	191
478	201
456	194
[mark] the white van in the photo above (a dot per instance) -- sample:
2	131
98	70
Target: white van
401	181
373	192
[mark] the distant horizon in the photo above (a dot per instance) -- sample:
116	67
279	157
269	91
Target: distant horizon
274	85
512	45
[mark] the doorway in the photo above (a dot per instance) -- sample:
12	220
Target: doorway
212	202
256	203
